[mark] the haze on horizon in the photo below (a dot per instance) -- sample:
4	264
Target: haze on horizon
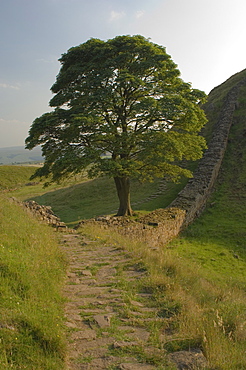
205	38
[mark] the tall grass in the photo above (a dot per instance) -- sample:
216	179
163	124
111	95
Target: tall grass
32	271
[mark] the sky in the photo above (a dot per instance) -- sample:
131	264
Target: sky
205	38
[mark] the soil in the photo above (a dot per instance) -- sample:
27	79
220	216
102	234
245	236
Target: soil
99	335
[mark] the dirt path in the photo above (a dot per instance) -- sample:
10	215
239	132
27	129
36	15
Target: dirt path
100	336
113	323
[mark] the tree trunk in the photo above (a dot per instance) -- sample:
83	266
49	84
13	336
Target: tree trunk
123	191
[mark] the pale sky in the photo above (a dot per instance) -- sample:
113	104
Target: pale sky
205	38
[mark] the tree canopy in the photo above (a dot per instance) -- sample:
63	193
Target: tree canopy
122	110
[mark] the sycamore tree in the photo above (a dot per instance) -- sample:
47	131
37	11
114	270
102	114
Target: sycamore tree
120	110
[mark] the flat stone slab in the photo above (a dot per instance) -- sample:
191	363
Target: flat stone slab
85	273
122	344
87	334
135	333
136	303
103	321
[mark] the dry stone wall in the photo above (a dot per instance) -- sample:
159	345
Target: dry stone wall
157	228
42	213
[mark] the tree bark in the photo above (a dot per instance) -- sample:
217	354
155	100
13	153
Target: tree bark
123	191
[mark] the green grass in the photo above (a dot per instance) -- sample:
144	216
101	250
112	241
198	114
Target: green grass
15	176
32	271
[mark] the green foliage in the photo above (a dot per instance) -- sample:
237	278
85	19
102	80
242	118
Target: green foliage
122	98
32	269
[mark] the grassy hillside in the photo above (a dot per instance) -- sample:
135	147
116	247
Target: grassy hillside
79	198
14	176
216	97
32	271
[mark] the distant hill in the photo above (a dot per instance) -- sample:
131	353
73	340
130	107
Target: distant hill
19	155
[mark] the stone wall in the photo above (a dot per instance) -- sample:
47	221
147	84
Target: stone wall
157	228
42	213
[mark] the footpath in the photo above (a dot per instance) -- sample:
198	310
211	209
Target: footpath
111	325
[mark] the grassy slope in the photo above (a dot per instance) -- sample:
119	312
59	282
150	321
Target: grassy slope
223	222
14	176
80	199
32	270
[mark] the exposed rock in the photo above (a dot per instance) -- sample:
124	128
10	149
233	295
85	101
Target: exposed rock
86	272
88	334
122	344
6	326
189	360
103	321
